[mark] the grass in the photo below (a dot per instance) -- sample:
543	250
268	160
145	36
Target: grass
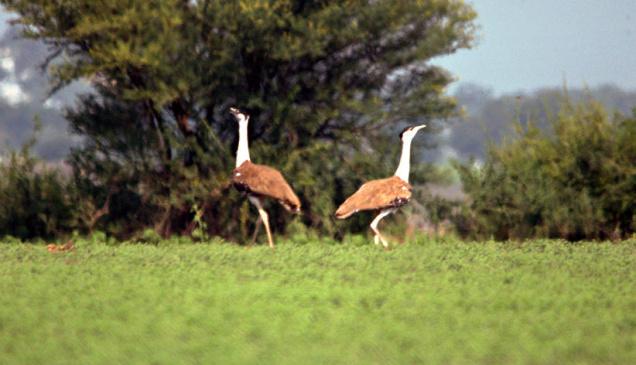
428	302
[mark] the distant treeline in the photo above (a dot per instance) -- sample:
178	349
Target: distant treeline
488	118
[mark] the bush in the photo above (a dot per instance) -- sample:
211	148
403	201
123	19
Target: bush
35	201
576	180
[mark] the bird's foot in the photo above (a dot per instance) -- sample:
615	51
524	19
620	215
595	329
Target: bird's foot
377	239
385	244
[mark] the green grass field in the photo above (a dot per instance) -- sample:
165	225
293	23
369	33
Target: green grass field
427	302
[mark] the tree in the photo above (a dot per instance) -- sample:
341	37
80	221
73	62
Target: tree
324	81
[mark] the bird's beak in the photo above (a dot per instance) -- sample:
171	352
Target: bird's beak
234	111
419	127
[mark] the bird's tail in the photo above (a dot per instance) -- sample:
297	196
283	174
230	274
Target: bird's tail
344	212
291	206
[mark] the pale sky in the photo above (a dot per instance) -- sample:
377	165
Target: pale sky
529	44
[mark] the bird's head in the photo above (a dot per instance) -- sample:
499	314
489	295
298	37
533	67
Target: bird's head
240	116
409	132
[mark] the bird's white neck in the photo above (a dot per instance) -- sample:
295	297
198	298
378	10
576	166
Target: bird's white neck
243	151
405	161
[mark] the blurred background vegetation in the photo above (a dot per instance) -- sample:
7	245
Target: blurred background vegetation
574	179
329	85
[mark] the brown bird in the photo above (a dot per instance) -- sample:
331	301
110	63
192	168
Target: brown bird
68	246
384	195
259	181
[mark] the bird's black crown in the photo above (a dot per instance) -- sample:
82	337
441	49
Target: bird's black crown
404	130
236	112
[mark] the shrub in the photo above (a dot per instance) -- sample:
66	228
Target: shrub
36	201
576	180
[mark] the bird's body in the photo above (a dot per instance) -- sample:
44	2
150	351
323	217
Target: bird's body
263	181
383	195
389	193
260	181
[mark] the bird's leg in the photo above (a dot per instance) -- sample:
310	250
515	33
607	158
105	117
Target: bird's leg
378	238
376	231
265	219
257	228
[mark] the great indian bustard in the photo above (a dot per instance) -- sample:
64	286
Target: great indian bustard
259	181
384	195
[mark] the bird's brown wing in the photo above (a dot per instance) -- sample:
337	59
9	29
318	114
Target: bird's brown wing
265	181
386	193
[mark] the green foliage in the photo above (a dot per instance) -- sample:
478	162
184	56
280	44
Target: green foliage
576	181
149	236
35	200
542	302
324	81
200	231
